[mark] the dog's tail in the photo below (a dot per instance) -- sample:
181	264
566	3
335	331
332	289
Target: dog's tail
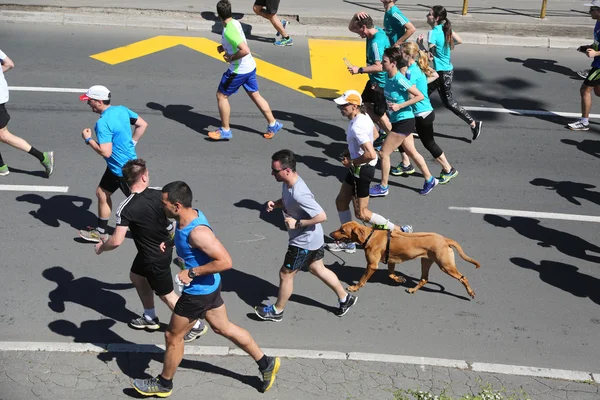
460	251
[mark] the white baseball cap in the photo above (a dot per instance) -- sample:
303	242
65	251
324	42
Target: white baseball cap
352	97
96	92
594	3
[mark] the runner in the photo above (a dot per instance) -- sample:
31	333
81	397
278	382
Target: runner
400	95
592	79
397	27
360	158
241	72
268	10
205	257
45	158
116	144
142	213
420	74
441	41
303	217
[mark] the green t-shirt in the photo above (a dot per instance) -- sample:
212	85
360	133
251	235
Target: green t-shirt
375	48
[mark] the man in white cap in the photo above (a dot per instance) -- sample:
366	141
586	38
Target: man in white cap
360	158
116	143
592	82
46	158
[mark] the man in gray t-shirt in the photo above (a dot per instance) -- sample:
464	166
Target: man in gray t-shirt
303	216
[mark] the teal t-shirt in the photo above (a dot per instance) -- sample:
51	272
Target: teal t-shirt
375	48
419	79
441	56
396	91
393	24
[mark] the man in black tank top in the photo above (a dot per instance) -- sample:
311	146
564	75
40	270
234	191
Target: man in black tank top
142	213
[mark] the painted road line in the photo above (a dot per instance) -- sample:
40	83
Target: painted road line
504	369
528	112
528	214
45	89
34	188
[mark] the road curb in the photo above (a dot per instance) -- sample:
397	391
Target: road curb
256	26
503	369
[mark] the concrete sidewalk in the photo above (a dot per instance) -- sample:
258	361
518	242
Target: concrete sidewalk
100	375
507	22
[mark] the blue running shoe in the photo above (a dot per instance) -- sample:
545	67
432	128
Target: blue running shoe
220	134
378	191
406	228
284	42
428	186
284	23
272	130
268	313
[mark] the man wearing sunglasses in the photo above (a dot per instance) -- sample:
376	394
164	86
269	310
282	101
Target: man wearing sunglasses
592	82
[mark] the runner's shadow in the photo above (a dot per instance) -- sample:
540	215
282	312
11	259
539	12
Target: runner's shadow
90	293
247	28
351	275
564	276
255	291
591	147
61	208
566	243
40	174
570	190
542	66
195	121
309	126
274	217
322	166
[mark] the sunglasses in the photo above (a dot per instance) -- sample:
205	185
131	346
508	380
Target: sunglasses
276	171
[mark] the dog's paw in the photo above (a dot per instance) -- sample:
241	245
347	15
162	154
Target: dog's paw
353	288
397	278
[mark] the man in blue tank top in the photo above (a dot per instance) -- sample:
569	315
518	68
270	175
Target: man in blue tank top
204	257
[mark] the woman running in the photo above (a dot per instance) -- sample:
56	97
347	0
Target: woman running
441	41
420	74
400	95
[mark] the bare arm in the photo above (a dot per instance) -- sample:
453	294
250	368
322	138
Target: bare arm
139	129
457	39
243	51
415	97
432	75
368	155
410	30
114	241
7	64
203	238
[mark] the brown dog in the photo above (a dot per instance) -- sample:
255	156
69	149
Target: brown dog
430	247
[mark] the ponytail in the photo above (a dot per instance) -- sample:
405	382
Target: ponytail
440	13
421	57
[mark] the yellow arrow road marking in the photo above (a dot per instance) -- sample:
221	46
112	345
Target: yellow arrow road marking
329	75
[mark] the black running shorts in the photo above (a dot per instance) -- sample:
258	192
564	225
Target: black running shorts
593	78
271	5
4	117
300	259
195	306
110	182
370	95
157	273
361	185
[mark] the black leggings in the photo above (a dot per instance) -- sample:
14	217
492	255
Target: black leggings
424	127
443	85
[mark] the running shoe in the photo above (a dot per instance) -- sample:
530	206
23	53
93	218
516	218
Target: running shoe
428	186
446	176
579	126
92	235
284	42
477	129
268	313
151	387
143	323
269	373
406	228
4	170
272	130
342	246
284	23
379	141
48	163
584	73
220	134
378	191
345	306
400	169
194	333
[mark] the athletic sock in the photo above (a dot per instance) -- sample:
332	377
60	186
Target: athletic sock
263	363
430	179
344	299
166	383
345	216
102	225
585	120
287	38
149	314
276	311
36	153
377	219
197	324
272	124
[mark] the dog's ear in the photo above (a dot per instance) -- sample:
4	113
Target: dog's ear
360	231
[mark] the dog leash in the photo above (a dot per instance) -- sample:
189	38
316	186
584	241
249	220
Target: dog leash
386	255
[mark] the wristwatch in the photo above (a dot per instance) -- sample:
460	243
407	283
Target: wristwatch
360	70
191	273
298	224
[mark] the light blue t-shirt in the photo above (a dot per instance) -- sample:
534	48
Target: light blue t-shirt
419	79
396	91
299	203
114	126
393	24
375	48
441	55
193	257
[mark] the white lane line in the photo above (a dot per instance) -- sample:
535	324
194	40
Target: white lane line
516	111
45	89
528	214
34	188
504	369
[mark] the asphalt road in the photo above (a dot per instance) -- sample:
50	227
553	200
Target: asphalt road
537	290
